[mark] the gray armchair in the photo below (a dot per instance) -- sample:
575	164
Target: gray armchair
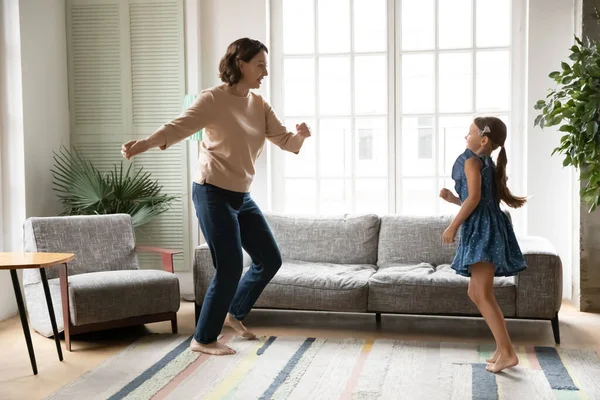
103	287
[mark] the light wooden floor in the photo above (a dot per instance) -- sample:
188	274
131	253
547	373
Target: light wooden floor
578	330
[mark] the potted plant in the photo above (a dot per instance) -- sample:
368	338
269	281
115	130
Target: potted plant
574	104
84	190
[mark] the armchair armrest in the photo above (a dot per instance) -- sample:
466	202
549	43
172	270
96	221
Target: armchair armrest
166	255
539	287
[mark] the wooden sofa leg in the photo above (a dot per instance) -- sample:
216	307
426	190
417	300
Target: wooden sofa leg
555	328
378	319
174	324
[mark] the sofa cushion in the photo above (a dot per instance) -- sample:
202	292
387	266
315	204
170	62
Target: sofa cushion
412	240
341	240
107	296
425	289
318	286
99	242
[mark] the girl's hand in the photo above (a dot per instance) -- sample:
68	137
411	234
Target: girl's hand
447	195
303	130
449	235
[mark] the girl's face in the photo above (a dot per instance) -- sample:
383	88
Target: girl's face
254	70
475	142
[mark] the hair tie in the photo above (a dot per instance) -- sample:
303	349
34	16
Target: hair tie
485	130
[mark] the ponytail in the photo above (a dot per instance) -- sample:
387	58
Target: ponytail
502	191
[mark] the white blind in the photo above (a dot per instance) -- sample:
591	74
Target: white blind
126	78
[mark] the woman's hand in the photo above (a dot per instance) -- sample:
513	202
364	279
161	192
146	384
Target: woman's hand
303	130
134	147
449	235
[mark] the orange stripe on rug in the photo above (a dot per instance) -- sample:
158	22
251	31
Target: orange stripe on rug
533	360
183	375
360	363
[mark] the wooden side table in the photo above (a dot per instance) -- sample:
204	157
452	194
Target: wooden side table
15	261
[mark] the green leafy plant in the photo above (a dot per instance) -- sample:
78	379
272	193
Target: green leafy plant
575	105
84	190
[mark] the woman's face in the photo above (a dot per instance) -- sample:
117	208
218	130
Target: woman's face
254	70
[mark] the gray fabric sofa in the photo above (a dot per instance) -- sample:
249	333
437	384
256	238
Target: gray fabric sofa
390	264
104	286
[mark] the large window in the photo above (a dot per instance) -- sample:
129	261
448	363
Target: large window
389	89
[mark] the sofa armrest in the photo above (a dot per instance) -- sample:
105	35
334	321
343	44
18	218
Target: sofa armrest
539	287
165	254
204	271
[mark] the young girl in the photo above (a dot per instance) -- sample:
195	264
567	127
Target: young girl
487	245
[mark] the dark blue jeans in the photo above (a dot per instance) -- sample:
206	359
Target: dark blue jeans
231	221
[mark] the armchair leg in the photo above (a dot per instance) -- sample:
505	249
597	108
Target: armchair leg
378	319
174	324
555	328
64	294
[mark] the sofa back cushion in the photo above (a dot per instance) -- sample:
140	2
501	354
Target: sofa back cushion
413	240
339	240
99	242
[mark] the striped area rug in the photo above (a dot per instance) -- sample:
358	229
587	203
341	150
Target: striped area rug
163	367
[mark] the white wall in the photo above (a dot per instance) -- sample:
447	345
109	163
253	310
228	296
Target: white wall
550	185
35	117
45	98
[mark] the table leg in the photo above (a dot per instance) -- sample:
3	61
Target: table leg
19	297
51	312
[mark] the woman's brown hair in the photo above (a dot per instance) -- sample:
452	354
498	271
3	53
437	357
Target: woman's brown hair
243	49
495	130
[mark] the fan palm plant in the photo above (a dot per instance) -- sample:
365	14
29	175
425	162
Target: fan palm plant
84	190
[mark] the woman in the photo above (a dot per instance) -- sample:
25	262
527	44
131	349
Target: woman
236	123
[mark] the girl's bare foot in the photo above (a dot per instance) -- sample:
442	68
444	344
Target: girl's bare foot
505	360
214	348
493	358
237	326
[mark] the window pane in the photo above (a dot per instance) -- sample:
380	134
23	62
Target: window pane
455	24
334	26
452	132
336	196
300	196
371	196
303	164
418	24
417	146
371	147
370	25
371	84
334	85
418	84
445	207
456	82
419	197
335	141
298	13
493	80
493	23
299	84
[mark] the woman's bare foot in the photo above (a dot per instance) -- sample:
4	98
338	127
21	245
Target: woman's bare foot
505	360
493	358
214	348
237	326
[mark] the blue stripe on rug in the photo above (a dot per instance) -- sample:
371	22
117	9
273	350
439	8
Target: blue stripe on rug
555	371
484	385
150	372
265	346
289	367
